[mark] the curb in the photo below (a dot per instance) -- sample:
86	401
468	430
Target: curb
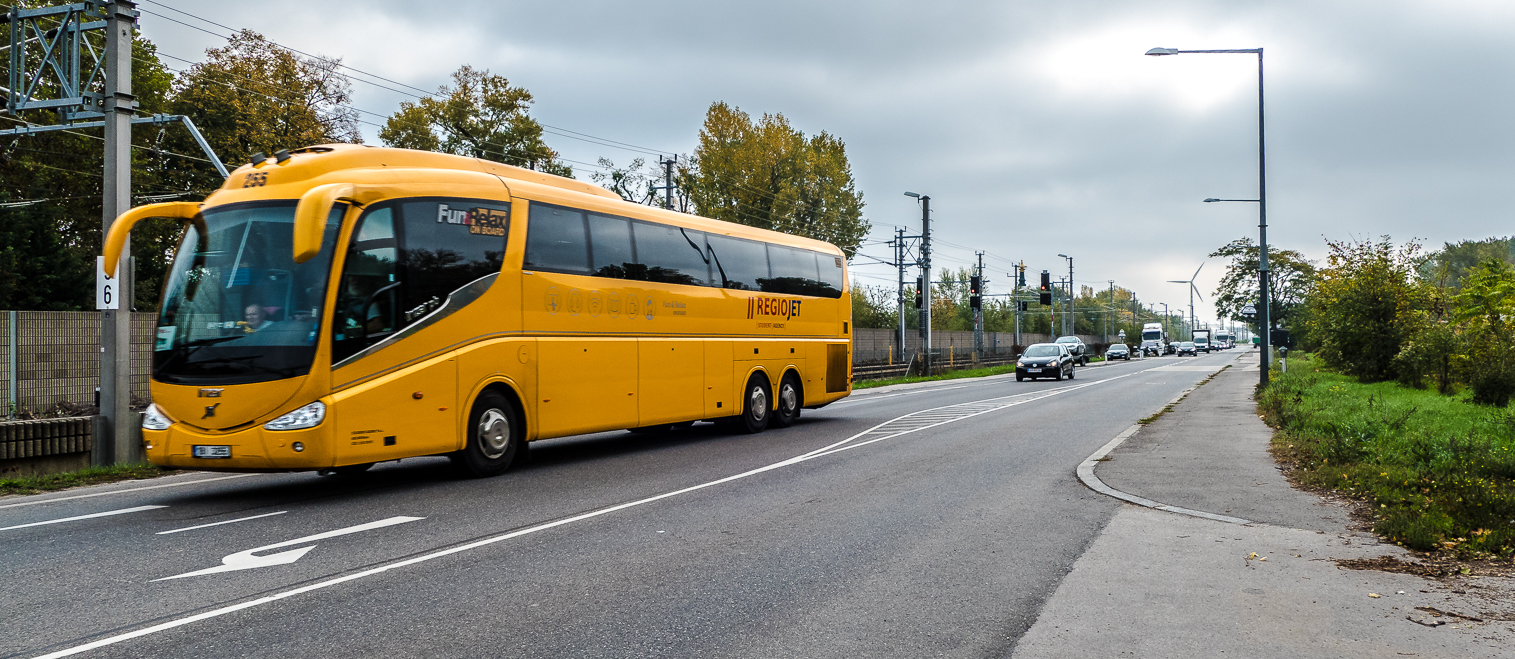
1086	473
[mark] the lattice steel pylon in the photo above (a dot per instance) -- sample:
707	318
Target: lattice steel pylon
57	64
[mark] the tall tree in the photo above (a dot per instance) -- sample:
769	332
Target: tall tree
50	244
481	115
767	174
1448	266
1364	305
1290	276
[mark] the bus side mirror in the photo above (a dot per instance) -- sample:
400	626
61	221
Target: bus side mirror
120	230
310	217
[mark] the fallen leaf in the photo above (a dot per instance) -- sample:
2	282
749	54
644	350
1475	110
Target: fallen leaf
1373	595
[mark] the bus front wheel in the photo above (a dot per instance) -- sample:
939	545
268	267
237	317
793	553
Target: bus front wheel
756	404
791	399
494	437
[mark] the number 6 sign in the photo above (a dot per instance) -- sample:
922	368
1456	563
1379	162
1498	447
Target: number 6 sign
106	295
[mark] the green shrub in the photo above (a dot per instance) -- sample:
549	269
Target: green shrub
1439	470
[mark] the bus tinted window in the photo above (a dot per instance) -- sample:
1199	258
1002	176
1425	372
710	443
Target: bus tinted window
447	244
369	301
672	255
610	246
736	263
793	272
832	278
555	240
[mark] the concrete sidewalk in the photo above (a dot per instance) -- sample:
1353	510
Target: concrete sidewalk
1159	584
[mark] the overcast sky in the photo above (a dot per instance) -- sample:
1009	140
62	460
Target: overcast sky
1037	128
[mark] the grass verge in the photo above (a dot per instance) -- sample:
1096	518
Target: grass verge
1437	471
949	375
89	476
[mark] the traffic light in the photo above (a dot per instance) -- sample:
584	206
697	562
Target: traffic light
1020	306
1021	276
975	292
1046	288
918	292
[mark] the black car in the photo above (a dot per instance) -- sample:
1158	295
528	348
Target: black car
1075	348
1044	360
1118	351
1187	348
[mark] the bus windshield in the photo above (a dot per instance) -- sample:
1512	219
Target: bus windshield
238	309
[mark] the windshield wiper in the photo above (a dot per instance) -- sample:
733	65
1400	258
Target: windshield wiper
245	361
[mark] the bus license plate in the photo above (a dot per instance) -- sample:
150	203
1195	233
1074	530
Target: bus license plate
212	451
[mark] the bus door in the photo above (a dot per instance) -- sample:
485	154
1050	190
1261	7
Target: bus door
410	266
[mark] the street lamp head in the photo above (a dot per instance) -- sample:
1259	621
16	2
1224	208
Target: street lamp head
1211	200
1063	255
1157	52
912	194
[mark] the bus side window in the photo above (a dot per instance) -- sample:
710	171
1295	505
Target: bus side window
556	241
736	263
610	248
448	244
368	301
794	272
672	255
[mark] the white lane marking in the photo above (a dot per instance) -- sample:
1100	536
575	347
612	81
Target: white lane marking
229	521
135	489
107	513
247	560
233	608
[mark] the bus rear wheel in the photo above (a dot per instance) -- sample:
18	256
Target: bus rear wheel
756	405
494	437
791	399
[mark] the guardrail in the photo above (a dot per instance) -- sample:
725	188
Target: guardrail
944	363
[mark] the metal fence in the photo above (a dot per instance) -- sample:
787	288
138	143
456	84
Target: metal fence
53	357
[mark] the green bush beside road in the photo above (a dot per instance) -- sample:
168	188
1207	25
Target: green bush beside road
1439	470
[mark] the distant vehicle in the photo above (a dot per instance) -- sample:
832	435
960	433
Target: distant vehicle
1118	351
1045	360
1202	340
1187	348
1154	340
1075	348
1225	340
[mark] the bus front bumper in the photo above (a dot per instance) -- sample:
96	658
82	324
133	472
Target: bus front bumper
248	450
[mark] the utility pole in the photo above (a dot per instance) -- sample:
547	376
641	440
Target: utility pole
1107	313
925	277
899	263
667	164
115	445
977	295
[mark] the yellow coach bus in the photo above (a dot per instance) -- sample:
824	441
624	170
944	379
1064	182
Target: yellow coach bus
342	305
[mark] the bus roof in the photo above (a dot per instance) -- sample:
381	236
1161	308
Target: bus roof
356	163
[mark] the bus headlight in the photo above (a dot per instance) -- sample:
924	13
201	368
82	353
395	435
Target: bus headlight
309	416
152	419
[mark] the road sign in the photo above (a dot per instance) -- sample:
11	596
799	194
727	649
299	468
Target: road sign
1249	310
1123	335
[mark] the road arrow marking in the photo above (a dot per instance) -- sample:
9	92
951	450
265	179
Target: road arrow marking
246	560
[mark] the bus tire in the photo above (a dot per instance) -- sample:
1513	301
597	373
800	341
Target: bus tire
757	404
494	437
790	400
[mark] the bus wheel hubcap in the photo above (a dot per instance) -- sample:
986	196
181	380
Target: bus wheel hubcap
494	433
759	404
788	398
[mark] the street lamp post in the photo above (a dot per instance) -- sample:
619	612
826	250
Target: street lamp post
1264	317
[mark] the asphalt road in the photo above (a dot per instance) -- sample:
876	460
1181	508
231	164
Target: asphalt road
924	521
